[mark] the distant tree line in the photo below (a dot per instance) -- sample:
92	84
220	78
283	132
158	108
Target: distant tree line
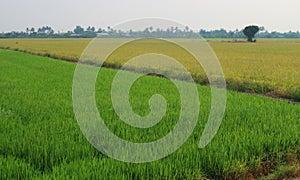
172	32
222	33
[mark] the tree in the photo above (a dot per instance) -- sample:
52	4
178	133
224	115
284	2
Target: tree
250	32
78	30
186	29
100	30
32	30
45	30
91	29
151	28
109	29
27	30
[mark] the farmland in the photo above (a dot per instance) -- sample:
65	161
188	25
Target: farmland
269	67
40	137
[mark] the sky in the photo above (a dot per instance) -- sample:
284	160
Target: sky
64	15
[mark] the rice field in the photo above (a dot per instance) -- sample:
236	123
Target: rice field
40	138
269	67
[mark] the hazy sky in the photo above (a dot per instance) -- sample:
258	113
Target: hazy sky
280	15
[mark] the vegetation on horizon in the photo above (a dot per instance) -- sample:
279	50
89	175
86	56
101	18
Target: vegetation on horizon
92	32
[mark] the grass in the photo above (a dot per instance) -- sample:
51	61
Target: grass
40	137
285	172
269	67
